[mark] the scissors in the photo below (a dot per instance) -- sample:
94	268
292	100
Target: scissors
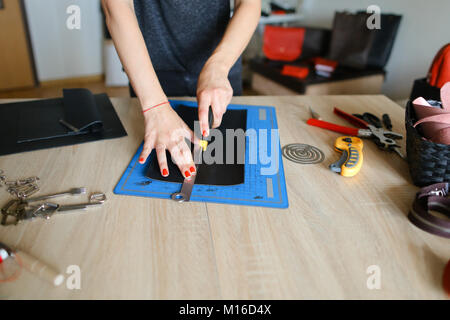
385	139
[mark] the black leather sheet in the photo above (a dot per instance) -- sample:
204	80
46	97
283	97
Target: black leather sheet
34	125
211	174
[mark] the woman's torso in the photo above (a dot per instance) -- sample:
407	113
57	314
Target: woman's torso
182	34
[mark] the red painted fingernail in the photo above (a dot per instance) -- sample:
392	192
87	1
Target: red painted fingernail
187	174
204	133
192	169
165	172
141	159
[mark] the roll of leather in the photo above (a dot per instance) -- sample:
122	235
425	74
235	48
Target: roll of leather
428	199
434	121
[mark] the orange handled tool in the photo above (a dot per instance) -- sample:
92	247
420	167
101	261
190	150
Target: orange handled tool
352	157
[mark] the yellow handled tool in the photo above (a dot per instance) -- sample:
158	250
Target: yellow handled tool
352	157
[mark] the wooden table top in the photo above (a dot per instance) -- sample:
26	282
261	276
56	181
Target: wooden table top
321	247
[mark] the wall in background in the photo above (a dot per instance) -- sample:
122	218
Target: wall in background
424	30
61	53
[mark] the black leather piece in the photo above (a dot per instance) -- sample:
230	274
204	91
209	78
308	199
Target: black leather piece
354	45
80	110
39	120
351	40
422	88
316	42
384	40
34	125
210	174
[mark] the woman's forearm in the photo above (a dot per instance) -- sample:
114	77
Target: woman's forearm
129	42
238	33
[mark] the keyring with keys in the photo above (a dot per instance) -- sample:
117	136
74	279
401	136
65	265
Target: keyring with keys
16	211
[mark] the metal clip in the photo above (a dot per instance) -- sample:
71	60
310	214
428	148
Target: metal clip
15	189
97	198
438	193
30	190
10	183
10	210
22	188
21	182
2	177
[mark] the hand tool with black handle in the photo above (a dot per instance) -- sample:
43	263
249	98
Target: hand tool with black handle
370	119
387	121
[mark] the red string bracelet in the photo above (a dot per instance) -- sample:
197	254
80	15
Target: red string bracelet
158	105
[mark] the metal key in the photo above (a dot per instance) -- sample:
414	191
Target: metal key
81	206
95	200
71	192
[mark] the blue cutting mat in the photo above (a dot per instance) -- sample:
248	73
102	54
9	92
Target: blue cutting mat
257	190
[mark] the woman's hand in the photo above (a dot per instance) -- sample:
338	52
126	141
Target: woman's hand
213	89
164	130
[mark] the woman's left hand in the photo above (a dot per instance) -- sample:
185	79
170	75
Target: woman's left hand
213	89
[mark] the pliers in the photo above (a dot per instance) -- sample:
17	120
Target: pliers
374	120
384	139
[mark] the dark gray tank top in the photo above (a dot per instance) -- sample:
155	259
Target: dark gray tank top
180	36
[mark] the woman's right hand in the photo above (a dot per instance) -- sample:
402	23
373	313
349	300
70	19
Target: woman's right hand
165	130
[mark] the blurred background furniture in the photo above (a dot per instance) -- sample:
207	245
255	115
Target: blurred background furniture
297	59
268	80
85	57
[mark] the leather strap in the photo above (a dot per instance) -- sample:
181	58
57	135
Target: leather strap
438	118
445	96
432	198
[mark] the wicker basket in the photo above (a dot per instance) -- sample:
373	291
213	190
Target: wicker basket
429	162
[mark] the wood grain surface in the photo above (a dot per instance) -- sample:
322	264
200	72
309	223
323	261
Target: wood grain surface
321	247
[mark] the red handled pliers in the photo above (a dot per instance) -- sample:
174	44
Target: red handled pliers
383	138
